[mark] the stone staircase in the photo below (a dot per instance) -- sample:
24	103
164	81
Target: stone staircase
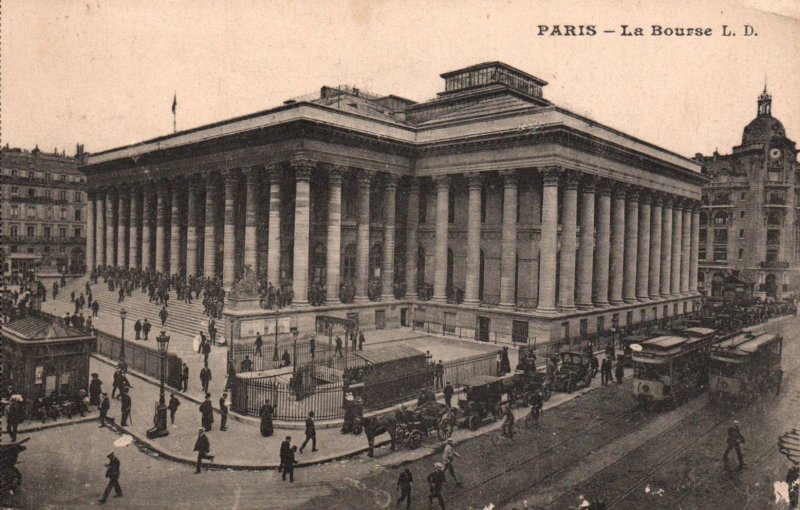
184	318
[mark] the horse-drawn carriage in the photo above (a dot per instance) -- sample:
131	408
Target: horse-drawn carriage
524	384
10	477
420	424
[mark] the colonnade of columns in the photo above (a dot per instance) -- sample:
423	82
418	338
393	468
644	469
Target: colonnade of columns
600	242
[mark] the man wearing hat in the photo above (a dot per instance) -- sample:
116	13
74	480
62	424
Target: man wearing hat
112	473
735	438
207	413
202	447
105	405
448	456
435	482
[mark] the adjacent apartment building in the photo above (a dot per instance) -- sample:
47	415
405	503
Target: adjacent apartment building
748	222
43	211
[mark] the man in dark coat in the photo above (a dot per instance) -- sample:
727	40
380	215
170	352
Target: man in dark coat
173	407
311	433
338	347
605	372
435	482
404	484
184	377
126	405
448	393
137	327
288	465
15	414
735	438
438	374
105	405
206	348
286	447
146	328
95	390
202	446
116	385
207	413
619	372
361	340
112	473
259	343
223	412
205	377
164	314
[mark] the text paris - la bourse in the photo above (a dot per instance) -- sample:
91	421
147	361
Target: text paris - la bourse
632	31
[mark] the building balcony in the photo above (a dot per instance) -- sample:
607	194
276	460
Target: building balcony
42	240
774	264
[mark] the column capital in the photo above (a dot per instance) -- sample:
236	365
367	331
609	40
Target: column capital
667	201
232	175
571	179
413	184
251	171
441	181
302	168
633	193
619	190
510	178
604	187
336	173
551	174
390	181
364	178
645	196
678	203
275	171
656	198
589	183
474	180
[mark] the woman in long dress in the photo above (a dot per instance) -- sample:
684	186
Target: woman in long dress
266	419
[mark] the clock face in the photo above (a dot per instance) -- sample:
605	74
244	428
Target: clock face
774	153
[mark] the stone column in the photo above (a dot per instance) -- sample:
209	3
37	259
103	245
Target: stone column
175	228
387	265
334	249
569	218
603	252
442	225
250	224
508	252
90	228
617	244
472	290
192	200
412	222
631	246
133	244
686	245
122	227
643	250
111	227
302	229
229	230
161	223
666	247
274	234
655	248
209	234
100	233
586	247
695	249
548	244
362	236
148	223
677	234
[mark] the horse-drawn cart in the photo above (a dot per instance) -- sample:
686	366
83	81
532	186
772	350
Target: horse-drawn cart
10	477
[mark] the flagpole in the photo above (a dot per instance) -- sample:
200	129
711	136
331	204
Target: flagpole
175	112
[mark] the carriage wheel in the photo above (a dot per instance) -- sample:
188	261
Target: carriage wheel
546	393
445	430
414	440
474	422
530	420
570	386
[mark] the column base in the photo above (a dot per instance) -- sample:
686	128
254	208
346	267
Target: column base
387	297
566	308
643	299
471	302
630	301
507	306
601	304
333	301
300	304
360	300
584	306
547	311
655	297
616	302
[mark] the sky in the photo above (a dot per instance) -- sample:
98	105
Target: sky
104	72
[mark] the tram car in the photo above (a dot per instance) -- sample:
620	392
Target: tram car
745	366
670	368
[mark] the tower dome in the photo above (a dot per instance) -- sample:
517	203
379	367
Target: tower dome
764	127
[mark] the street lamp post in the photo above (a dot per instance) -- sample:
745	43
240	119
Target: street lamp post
160	419
122	315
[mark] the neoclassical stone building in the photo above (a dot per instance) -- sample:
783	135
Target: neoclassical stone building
487	212
749	219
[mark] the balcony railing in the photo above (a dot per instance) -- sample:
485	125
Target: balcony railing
42	239
774	264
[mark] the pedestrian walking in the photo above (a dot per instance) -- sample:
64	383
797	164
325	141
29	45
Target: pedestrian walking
137	328
116	384
404	484
184	377
206	347
126	405
435	482
112	473
205	377
207	413
619	372
605	372
265	413
223	412
286	447
15	414
312	345
288	464
259	342
361	340
311	433
164	314
448	393
173	407
202	446
95	390
448	456
338	347
146	328
508	424
735	439
105	405
438	373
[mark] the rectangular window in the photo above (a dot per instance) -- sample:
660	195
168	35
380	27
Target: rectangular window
31	231
773	236
772	255
47	177
601	323
741	253
62	232
14	211
451	206
47	232
31	211
63	214
31	193
423	207
77	233
701	253
584	327
720	254
519	332
449	325
14	172
77	215
62	194
703	235
741	233
14	191
14	231
741	214
78	197
720	236
743	195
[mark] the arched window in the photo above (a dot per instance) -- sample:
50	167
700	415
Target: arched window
319	257
349	269
721	218
375	259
